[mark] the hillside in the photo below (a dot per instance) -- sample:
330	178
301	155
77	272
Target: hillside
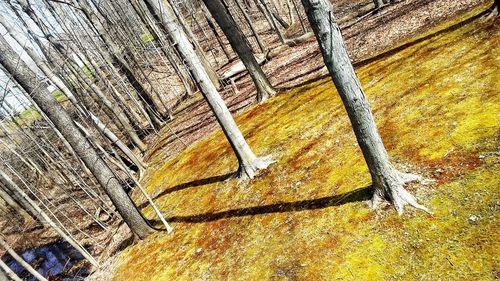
436	104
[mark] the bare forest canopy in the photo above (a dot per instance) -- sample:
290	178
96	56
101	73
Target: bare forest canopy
248	140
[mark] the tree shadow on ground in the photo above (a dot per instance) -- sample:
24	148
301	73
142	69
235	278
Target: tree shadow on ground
360	194
185	185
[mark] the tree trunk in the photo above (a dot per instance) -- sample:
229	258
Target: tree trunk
249	164
378	3
240	46
171	9
211	24
387	181
252	27
122	64
151	26
101	126
263	6
23	202
80	144
20	260
13	204
302	25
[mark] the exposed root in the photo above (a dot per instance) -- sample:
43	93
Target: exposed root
265	93
248	171
393	190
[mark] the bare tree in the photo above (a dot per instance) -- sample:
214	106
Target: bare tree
10	201
240	45
387	181
249	164
63	122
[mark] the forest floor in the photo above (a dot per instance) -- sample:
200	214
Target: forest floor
436	103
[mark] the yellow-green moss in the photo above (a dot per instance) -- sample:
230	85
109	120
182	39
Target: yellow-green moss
147	37
436	104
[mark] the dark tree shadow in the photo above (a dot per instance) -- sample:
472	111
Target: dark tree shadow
185	185
360	194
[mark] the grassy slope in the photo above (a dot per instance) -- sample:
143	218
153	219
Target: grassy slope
437	106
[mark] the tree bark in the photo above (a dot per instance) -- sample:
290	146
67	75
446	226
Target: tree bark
387	181
58	82
265	9
117	58
171	9
212	26
80	144
249	164
7	198
240	45
151	26
252	27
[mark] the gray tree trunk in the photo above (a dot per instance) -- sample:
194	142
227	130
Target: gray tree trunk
265	9
13	204
248	162
80	144
171	9
387	181
101	126
118	58
151	26
240	45
211	24
250	22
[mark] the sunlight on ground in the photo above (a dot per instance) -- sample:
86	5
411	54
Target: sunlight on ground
438	112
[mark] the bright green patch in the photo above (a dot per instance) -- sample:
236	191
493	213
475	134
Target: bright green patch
88	70
59	95
147	37
28	116
436	105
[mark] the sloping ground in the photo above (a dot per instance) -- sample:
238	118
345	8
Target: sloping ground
368	37
437	106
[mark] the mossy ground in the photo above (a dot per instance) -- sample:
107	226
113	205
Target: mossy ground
437	107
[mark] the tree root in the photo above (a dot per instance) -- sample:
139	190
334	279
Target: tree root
393	190
264	94
248	171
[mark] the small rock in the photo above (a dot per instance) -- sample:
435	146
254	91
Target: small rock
473	219
199	250
482	156
453	213
297	184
